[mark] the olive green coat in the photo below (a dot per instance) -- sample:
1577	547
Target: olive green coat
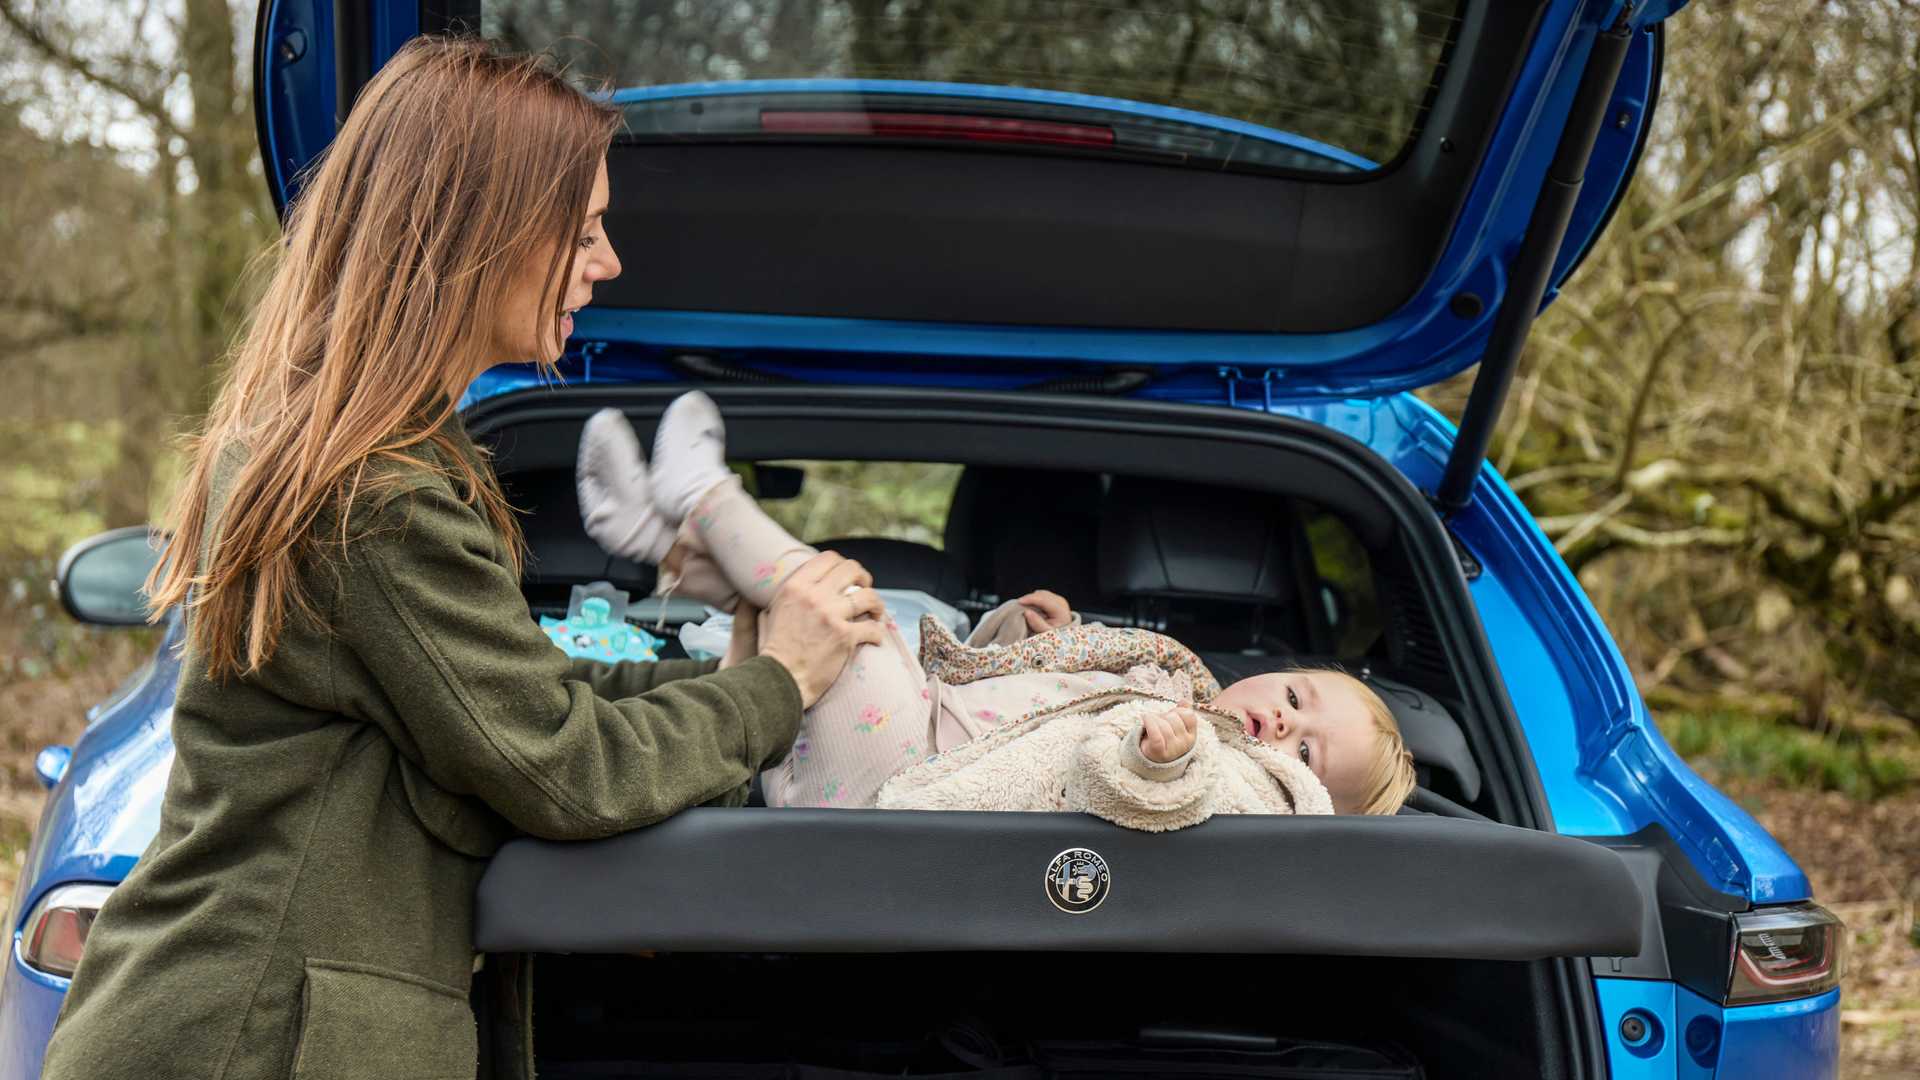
306	909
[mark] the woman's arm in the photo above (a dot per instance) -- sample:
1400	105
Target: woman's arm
441	633
631	679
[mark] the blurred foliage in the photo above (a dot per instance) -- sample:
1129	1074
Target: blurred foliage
1718	420
896	499
1738	744
51	479
1341	561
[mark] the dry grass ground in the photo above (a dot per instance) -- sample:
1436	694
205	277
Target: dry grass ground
1863	857
1864	861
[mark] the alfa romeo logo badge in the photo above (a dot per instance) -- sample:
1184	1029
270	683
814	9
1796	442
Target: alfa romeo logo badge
1077	880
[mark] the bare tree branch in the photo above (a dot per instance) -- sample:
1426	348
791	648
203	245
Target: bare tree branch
1585	525
1797	146
148	103
94	315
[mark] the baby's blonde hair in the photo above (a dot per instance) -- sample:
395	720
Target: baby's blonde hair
1390	779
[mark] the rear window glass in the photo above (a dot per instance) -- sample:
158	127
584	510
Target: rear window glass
899	500
1346	592
1328	85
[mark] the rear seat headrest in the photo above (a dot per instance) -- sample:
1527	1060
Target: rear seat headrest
1173	538
1431	732
1012	530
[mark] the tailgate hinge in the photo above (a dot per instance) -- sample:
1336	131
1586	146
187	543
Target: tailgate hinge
587	351
1233	377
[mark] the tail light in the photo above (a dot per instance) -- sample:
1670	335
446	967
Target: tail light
57	927
1786	953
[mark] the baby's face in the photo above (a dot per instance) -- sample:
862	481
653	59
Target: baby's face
1316	716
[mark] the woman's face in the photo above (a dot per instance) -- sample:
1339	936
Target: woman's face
526	313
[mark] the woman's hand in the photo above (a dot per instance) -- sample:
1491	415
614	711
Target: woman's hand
1165	736
823	611
1045	611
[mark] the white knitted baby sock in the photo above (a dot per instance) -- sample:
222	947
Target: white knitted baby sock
616	501
689	454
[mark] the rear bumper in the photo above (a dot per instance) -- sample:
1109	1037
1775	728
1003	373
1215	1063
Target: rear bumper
1691	1038
1789	1039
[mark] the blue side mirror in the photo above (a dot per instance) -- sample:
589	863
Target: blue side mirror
100	578
51	764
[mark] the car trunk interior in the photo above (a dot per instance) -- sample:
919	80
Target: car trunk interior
1041	1014
1208	524
1259	542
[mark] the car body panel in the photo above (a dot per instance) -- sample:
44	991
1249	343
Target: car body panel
1605	766
106	809
1787	1039
1699	1040
1660	1054
29	1004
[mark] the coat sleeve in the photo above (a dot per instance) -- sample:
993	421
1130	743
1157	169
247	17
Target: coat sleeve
630	679
440	626
1106	781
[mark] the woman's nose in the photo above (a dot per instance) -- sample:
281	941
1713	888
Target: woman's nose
610	267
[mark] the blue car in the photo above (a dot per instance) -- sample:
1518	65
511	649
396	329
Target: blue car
1153	283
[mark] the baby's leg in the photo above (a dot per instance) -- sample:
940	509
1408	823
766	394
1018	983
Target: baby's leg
732	535
876	718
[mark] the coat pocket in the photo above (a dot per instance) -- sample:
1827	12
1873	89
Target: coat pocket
359	1022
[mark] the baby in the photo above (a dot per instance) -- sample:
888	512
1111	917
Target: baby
1034	712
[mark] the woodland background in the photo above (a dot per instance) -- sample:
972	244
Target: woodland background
1718	421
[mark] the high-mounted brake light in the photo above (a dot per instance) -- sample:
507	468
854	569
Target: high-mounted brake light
904	125
56	929
1786	953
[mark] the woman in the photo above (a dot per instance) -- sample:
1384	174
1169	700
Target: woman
365	710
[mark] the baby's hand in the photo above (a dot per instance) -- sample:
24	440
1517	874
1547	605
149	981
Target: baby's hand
1045	611
1165	736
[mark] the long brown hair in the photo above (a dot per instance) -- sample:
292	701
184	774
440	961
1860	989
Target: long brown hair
459	166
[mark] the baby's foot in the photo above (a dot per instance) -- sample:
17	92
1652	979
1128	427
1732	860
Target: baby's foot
689	454
616	500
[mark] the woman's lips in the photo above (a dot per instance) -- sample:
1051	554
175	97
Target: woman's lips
566	325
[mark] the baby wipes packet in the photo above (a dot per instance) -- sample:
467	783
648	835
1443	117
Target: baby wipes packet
596	627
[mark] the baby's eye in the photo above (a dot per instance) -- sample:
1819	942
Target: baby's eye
1305	757
1293	699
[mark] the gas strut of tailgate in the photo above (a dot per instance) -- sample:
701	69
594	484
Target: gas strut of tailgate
1545	231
